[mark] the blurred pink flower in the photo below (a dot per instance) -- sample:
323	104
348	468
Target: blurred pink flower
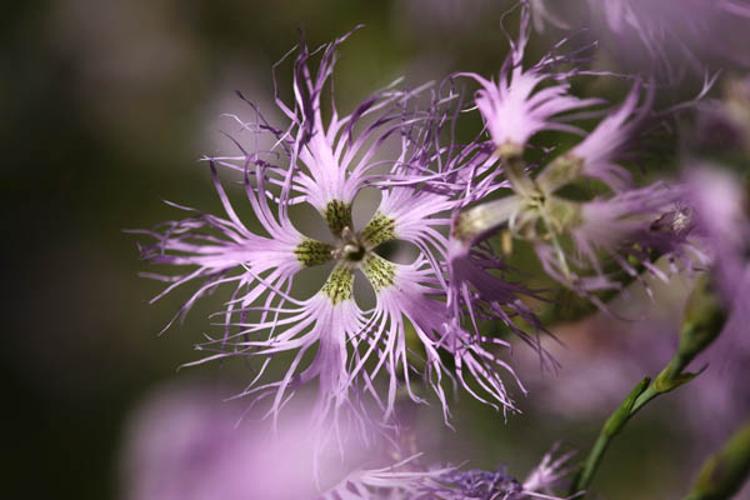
665	38
184	443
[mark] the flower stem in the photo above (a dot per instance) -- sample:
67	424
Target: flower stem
611	428
704	320
724	473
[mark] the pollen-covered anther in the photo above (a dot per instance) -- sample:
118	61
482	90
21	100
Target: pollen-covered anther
340	285
313	253
338	216
380	229
379	272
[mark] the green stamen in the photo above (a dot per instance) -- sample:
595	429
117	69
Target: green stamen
313	253
340	285
338	215
379	272
380	229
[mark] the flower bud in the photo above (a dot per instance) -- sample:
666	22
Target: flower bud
704	319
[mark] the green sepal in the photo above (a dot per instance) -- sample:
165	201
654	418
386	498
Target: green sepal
617	420
664	383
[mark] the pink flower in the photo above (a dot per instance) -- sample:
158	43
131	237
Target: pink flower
597	154
668	38
328	338
185	443
518	106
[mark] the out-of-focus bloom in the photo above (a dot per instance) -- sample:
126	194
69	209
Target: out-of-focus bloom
456	484
184	443
690	30
626	227
181	444
398	481
331	340
720	210
661	37
722	217
723	125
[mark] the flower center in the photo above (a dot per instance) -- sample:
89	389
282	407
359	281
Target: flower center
350	247
352	250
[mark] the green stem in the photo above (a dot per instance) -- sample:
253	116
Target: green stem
704	320
668	379
513	167
724	473
611	428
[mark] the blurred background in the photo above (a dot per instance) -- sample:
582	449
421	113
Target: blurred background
107	105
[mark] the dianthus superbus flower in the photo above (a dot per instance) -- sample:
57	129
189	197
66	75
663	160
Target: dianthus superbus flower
330	338
597	155
453	483
525	101
570	236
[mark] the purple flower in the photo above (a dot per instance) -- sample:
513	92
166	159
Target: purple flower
478	291
328	338
720	204
518	106
620	226
181	443
723	225
630	218
596	155
185	443
632	225
478	483
411	480
456	484
659	38
670	37
402	480
627	225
